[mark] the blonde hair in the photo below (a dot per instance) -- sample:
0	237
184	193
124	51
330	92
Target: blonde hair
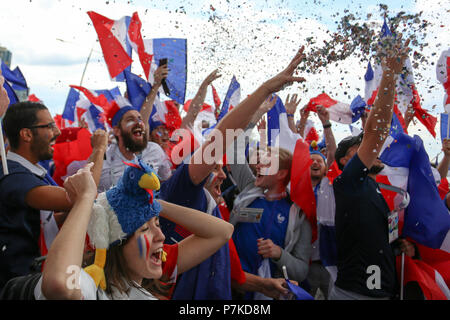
285	160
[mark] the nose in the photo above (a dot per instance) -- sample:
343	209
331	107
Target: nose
159	236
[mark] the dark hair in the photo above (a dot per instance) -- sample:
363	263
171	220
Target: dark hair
343	147
18	116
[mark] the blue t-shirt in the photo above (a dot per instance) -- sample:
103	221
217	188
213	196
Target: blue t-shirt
19	223
273	225
211	279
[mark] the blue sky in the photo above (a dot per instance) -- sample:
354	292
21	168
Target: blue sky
251	39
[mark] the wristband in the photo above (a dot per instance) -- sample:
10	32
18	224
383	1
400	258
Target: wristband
327	125
290	115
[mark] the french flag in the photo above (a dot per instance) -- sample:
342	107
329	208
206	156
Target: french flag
278	131
112	35
232	98
442	74
217	101
138	90
99	101
340	112
405	88
175	50
426	219
15	78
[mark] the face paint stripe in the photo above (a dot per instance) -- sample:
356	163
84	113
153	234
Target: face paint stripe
139	241
147	243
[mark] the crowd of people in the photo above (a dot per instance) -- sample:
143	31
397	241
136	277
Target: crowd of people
130	223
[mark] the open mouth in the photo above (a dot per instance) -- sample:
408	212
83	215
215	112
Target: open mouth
156	257
138	133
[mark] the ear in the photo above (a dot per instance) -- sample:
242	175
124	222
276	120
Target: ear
282	174
343	161
26	135
116	131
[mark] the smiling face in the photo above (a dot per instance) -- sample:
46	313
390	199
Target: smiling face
131	131
318	167
143	252
44	138
215	181
160	135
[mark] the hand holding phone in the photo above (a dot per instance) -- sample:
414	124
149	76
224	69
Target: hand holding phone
162	62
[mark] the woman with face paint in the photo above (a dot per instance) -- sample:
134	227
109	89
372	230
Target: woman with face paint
137	254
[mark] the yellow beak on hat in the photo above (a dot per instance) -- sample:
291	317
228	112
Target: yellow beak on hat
149	182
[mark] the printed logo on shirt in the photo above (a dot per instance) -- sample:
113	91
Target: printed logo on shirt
280	218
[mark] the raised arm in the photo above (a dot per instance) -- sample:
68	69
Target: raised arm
67	248
147	107
291	106
209	234
330	142
445	162
378	122
99	143
239	118
304	114
199	99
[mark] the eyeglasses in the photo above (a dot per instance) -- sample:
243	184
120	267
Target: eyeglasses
51	125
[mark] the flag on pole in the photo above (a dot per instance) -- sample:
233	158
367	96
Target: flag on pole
112	35
175	50
232	98
442	74
340	112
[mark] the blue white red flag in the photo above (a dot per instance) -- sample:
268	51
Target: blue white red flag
114	41
175	50
340	112
232	98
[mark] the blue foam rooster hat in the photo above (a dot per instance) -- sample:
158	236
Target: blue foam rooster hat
120	211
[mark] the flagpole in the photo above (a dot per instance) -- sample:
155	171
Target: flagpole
3	152
402	276
85	66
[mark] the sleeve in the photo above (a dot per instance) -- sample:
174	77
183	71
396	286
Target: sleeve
180	189
86	284
15	186
351	178
240	170
297	261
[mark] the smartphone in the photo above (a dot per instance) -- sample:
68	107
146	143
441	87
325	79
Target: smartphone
163	61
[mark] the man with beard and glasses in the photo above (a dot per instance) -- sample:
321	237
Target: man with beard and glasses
365	247
29	198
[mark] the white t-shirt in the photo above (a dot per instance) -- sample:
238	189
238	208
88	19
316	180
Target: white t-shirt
113	168
90	292
155	156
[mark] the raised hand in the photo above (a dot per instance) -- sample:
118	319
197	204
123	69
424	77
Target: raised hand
323	114
292	104
160	74
394	58
210	78
285	77
80	184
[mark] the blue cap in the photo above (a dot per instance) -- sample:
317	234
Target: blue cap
119	114
320	154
